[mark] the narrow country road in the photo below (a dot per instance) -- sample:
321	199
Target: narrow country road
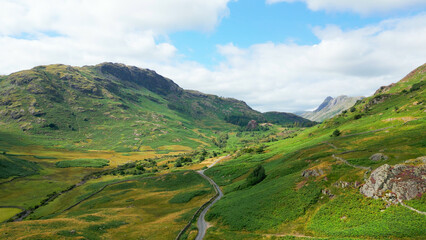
202	225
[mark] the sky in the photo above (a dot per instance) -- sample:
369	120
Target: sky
276	55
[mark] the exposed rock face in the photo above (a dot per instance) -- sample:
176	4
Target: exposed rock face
144	77
406	182
252	125
378	157
312	173
330	108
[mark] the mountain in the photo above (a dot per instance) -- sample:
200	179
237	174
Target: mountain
112	105
330	108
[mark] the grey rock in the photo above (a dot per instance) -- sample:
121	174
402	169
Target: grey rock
312	173
252	125
378	157
403	181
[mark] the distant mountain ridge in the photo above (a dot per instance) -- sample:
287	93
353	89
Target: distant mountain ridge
330	108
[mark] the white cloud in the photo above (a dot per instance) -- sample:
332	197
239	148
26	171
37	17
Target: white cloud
268	76
82	32
290	77
358	6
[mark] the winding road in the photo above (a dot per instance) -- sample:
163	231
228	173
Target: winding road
202	225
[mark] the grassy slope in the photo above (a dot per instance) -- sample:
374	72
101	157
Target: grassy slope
287	202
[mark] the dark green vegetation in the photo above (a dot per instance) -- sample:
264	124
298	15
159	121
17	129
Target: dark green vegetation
83	162
280	181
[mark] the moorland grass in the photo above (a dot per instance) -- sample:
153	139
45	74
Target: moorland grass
13	166
7	213
185	197
83	162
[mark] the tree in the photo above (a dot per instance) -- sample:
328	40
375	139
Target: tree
336	133
178	164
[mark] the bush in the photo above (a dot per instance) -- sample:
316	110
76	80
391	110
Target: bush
358	116
417	86
336	133
353	109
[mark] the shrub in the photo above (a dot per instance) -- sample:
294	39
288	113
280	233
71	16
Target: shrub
417	86
353	109
358	116
178	164
336	133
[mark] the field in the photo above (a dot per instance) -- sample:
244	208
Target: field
138	207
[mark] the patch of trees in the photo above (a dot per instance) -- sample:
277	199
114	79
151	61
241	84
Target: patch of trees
182	161
238	120
221	140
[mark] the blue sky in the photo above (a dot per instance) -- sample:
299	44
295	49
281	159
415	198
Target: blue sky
283	55
255	21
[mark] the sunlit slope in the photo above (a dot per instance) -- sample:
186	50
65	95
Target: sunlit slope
313	180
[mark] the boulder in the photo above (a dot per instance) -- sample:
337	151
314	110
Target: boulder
252	125
404	181
378	157
312	173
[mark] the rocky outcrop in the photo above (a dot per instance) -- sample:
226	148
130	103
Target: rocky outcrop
401	181
252	125
142	77
312	173
378	157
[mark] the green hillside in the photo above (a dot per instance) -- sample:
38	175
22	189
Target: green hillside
310	189
113	106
